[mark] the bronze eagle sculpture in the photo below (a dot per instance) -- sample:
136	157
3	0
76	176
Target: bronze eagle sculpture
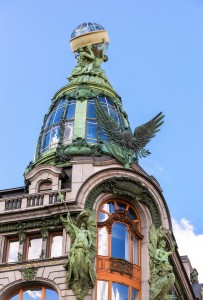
122	143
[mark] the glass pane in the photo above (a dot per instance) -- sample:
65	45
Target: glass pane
58	115
109	207
103	217
121	205
51	295
68	132
102	290
55	133
70	114
103	135
34	248
132	214
120	241
103	241
113	113
119	291
135	251
102	100
13	251
91	110
91	132
46	139
32	294
134	294
50	119
56	247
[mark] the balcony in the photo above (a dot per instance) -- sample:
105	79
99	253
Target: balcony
32	200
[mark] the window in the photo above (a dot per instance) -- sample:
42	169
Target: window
34	247
118	259
64	110
69	124
45	185
38	293
12	250
55	242
93	133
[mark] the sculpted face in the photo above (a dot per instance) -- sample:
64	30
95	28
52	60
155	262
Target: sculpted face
162	243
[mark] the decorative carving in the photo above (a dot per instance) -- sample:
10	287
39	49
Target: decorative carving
123	145
162	277
78	147
88	65
29	273
124	217
20	256
45	229
80	265
121	266
31	224
124	186
194	276
21	232
83	92
42	254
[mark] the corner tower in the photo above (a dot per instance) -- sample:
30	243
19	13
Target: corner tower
90	224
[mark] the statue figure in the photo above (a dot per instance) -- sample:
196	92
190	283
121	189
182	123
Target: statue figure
89	61
194	276
162	277
80	265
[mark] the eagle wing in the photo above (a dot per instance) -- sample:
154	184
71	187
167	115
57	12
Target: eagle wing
144	133
110	127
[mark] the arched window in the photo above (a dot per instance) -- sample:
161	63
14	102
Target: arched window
93	134
45	185
118	257
30	293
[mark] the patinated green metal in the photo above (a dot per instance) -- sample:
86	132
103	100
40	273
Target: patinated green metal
20	227
78	147
20	256
194	276
80	265
31	224
45	229
124	186
87	69
162	277
123	145
28	273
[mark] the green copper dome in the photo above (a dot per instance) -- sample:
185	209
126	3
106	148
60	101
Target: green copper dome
86	117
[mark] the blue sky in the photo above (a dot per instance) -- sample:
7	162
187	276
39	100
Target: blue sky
155	64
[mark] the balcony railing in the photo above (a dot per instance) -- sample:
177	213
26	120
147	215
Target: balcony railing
31	200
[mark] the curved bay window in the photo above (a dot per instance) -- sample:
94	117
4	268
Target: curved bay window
64	110
92	131
118	259
39	293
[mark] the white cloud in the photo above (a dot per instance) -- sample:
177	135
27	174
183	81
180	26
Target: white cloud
189	243
34	294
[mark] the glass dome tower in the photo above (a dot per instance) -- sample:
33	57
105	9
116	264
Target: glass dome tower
86	117
70	127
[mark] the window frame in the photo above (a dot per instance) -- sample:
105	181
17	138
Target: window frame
28	237
50	242
128	279
8	240
23	289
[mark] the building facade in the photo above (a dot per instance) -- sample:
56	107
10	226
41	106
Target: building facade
89	223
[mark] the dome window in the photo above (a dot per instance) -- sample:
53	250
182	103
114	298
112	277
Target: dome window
93	133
